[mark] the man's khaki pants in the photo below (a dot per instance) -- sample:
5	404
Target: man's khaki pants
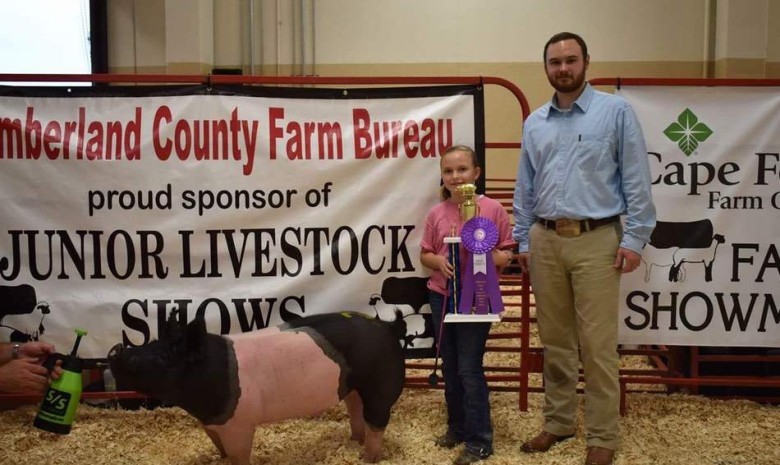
576	288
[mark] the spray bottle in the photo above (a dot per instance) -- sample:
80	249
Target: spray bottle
59	405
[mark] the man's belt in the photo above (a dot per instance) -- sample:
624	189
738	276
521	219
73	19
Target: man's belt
572	228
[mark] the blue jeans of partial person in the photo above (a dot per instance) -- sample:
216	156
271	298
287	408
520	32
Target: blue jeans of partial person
461	348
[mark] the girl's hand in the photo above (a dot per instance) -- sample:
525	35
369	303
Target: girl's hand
443	266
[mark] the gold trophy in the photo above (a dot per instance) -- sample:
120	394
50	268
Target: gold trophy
474	291
468	208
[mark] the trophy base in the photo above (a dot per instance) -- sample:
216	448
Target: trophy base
472	318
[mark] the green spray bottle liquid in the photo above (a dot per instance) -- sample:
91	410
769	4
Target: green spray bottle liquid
59	405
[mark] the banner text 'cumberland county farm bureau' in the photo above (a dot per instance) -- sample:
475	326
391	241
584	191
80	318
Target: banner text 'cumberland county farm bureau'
247	210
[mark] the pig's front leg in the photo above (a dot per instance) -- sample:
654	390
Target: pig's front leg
372	451
355	411
235	443
363	433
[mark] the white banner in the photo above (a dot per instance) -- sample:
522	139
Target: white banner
711	273
248	210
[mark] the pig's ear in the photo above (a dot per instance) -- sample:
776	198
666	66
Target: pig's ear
172	328
196	334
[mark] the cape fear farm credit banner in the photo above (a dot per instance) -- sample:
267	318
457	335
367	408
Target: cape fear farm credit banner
711	273
249	210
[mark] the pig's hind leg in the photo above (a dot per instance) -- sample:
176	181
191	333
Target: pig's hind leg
217	442
357	423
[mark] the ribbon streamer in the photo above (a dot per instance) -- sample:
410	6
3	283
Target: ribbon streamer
480	292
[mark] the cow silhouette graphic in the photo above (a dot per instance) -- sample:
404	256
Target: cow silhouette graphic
410	297
21	313
673	244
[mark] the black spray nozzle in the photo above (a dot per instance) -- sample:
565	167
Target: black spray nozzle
73	362
69	362
85	363
79	334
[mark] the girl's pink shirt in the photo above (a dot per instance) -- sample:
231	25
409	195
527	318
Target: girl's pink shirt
439	223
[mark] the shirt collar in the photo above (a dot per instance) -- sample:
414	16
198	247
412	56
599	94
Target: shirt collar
582	102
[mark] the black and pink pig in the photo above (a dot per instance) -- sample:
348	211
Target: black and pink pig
234	383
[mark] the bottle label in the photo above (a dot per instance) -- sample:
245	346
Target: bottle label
56	402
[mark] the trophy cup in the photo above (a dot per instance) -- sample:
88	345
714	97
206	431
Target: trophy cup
474	291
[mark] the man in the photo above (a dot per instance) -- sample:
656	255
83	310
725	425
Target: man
583	164
20	367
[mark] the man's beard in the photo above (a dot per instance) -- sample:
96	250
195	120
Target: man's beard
574	83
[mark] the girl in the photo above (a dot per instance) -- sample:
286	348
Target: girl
461	345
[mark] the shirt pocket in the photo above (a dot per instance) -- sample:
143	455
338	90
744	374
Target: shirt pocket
592	148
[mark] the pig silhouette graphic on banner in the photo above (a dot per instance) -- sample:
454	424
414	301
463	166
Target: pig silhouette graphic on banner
409	296
21	314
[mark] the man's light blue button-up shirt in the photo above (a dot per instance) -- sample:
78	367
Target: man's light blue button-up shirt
586	162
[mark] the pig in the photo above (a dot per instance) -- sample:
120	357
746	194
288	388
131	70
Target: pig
233	383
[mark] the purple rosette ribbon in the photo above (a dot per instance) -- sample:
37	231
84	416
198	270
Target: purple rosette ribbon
479	235
480	293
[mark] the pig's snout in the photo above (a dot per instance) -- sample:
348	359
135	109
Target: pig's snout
115	351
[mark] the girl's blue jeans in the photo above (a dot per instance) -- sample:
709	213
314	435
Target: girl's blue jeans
461	347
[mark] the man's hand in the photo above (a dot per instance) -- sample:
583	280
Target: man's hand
524	260
626	260
22	375
36	349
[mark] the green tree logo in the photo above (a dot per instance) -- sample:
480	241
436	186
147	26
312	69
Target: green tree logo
688	132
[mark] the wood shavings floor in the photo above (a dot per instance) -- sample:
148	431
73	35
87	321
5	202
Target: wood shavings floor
659	429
